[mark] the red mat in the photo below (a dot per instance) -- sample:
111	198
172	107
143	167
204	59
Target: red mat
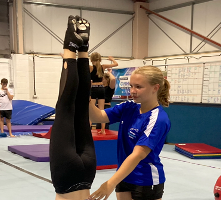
110	135
199	148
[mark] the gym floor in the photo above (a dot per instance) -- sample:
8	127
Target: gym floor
186	178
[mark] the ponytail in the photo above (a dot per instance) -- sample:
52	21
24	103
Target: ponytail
96	57
164	94
100	72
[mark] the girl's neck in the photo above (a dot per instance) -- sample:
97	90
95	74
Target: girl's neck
148	106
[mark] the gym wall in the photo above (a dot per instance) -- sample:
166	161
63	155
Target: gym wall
48	68
4	68
36	39
205	18
41	76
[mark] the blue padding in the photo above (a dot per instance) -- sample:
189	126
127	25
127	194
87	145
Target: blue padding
29	113
199	123
47	122
106	152
3	135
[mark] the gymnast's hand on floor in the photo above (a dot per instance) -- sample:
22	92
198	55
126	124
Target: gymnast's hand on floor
103	192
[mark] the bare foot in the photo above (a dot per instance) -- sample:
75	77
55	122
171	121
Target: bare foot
12	136
102	132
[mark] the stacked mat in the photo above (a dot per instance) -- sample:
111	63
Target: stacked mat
105	148
198	151
27	129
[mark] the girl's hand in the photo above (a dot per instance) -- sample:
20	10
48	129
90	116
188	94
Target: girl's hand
110	58
103	192
109	70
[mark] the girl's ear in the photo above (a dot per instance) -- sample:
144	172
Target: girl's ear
156	88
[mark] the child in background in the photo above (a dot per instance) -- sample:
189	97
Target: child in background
6	96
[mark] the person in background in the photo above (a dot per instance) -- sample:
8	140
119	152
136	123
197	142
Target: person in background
97	73
109	82
6	96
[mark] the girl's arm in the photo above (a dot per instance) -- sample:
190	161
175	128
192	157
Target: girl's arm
96	115
138	154
114	64
112	79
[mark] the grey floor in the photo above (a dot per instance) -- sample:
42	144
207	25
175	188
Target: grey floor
186	178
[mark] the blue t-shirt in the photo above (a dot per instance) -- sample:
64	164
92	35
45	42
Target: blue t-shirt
147	129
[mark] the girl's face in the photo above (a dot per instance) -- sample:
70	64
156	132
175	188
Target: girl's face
141	90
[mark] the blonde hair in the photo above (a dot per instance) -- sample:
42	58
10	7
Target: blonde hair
155	76
96	57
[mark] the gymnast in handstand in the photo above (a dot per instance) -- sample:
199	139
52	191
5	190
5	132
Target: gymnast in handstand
72	154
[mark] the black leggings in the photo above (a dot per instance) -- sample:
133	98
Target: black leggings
72	153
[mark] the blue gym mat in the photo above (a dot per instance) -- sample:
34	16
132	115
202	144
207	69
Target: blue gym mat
29	113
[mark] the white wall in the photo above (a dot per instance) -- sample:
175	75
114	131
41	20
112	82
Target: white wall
102	24
21	77
39	40
4	69
206	16
159	44
47	77
48	71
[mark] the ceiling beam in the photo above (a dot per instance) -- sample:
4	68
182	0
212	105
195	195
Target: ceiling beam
176	6
182	27
139	1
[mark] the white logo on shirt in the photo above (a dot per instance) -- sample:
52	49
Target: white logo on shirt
133	133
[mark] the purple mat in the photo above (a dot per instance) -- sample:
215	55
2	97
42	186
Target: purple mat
28	128
36	152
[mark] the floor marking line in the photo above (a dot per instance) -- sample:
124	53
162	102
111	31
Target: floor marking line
25	171
190	162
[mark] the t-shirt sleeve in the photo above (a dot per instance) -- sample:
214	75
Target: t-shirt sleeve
153	133
114	114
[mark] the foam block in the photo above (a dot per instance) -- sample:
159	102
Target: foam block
110	135
105	148
198	151
37	152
